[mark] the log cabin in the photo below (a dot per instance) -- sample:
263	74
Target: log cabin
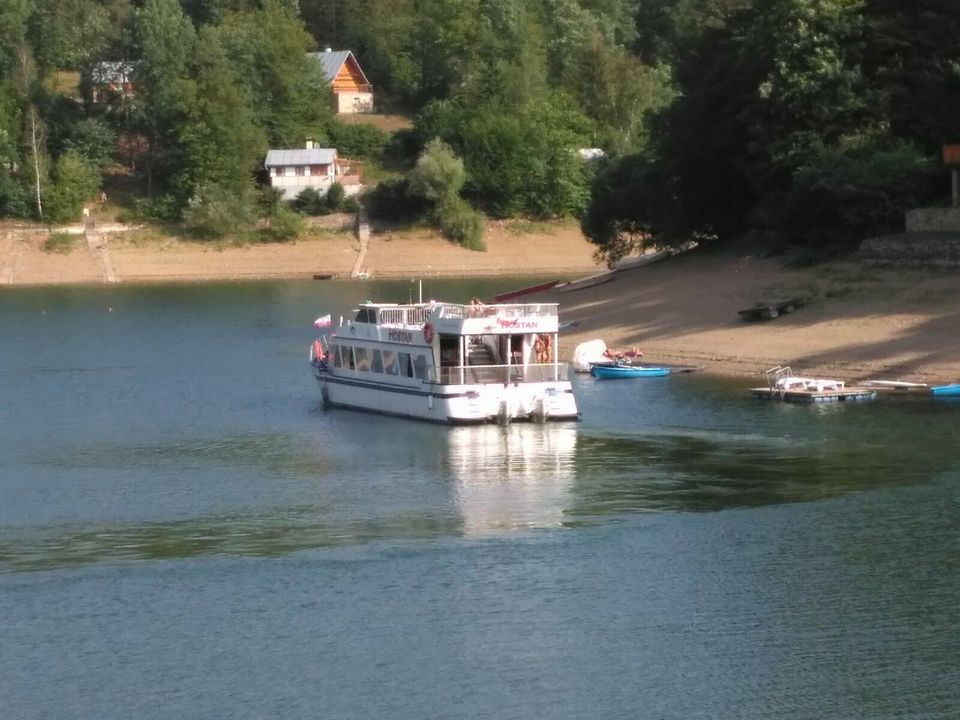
352	92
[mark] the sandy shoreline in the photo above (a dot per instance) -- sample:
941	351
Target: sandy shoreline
136	257
858	322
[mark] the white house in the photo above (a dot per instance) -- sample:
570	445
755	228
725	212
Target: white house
294	170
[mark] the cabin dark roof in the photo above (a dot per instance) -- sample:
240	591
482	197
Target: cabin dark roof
332	60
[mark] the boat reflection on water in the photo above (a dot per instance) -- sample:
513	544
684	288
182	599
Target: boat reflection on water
512	478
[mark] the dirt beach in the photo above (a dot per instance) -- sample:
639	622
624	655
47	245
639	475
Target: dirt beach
856	321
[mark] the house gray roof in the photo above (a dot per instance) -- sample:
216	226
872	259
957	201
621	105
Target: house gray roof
301	156
331	61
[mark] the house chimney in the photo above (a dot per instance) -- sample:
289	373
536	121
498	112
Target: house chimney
309	143
328	49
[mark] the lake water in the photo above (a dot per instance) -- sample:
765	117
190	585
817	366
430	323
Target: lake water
186	533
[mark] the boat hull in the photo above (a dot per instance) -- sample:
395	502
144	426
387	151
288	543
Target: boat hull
609	372
952	390
454	404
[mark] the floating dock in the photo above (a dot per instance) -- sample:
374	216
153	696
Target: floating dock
849	394
783	385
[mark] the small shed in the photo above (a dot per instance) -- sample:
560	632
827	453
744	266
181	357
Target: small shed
111	78
352	92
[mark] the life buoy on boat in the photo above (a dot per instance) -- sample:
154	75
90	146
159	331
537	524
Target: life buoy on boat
428	333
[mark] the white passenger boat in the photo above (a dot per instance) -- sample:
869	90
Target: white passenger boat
447	362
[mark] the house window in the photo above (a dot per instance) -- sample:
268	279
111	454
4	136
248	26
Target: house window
299	170
277	171
317	170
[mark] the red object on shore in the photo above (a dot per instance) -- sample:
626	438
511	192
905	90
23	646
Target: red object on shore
513	294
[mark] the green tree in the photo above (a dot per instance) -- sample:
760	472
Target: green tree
267	48
75	180
70	33
620	93
913	58
166	39
438	175
222	145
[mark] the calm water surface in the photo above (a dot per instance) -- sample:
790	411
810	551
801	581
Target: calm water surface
186	533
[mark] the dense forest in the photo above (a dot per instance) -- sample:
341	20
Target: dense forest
807	123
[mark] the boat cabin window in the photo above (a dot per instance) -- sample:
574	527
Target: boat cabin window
335	351
366	315
406	366
391	362
376	362
420	367
348	360
362	356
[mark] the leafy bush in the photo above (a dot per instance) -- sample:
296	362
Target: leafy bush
284	224
401	150
94	140
75	180
391	200
163	208
462	224
359	142
350	205
309	202
62	243
13	199
335	197
214	212
844	195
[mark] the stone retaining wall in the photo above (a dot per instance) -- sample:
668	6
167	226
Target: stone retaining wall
933	220
919	249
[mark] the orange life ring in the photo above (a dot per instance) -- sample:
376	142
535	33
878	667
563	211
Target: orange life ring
428	333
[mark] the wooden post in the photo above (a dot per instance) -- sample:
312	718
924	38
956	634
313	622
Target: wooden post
951	158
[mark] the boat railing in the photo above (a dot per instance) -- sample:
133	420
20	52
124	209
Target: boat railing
776	374
404	316
500	374
500	310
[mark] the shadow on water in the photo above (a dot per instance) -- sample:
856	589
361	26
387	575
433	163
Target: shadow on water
276	453
485	481
690	473
268	534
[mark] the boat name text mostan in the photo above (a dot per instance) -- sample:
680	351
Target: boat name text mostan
400	336
517	323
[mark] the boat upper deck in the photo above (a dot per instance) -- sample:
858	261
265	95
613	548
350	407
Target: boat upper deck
457	319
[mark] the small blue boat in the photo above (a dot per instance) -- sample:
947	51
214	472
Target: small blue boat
951	390
618	370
